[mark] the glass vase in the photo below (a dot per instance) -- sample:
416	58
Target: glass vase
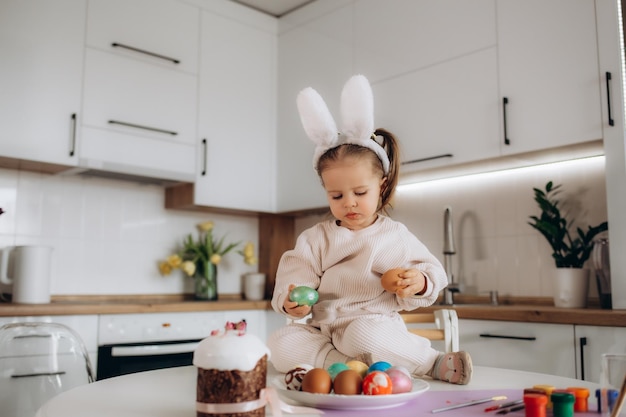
205	281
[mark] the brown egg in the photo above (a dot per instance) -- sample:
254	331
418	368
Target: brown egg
348	382
317	381
390	279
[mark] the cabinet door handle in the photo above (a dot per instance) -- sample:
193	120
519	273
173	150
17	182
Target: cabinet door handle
608	98
428	158
38	374
73	141
204	162
143	51
505	102
583	342
502	336
153	129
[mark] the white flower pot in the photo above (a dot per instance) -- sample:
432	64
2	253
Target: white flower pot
571	287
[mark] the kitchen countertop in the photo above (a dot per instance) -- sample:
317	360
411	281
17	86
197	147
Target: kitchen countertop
532	310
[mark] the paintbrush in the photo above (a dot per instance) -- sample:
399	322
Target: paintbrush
469	403
620	400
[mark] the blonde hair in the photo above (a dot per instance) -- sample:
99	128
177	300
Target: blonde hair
349	150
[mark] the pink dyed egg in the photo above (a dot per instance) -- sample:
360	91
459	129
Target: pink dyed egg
400	381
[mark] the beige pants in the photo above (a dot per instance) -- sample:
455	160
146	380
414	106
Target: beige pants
384	337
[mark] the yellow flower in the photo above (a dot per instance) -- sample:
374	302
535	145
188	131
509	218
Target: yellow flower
165	268
215	258
248	250
205	226
188	268
174	261
248	254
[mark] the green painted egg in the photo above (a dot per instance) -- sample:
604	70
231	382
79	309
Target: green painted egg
304	295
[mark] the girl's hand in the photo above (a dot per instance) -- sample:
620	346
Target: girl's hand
293	309
411	282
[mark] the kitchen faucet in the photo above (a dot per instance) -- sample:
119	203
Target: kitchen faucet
448	251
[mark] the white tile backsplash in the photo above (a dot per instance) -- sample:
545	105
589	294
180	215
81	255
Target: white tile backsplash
108	236
496	247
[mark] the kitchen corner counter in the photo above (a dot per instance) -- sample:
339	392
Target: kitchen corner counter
539	314
529	310
128	304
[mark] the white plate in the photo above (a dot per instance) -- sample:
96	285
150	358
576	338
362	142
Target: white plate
349	402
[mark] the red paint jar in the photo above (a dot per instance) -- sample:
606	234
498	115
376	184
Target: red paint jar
535	404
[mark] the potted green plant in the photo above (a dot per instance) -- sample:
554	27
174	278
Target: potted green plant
570	249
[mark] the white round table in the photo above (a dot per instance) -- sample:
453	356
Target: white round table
172	393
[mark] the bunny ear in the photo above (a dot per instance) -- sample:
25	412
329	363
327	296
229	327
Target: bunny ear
357	109
316	119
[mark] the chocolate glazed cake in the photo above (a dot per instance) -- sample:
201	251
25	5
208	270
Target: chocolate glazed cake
232	373
232	387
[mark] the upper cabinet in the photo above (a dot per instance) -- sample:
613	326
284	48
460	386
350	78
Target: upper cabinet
452	79
236	128
548	71
313	53
434	84
42	47
140	88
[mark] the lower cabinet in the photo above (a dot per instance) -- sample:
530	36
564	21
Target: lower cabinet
534	347
593	341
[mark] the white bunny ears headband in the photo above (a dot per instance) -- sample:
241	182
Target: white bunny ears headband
357	114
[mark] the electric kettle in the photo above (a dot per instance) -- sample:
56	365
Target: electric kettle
29	275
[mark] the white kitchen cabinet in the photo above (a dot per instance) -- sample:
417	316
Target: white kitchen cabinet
140	88
237	112
593	341
314	52
41	44
444	114
611	64
548	72
537	347
414	35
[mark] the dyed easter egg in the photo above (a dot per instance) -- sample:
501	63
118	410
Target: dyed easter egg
379	366
294	377
304	295
390	279
348	382
400	381
358	366
400	368
377	383
335	368
317	381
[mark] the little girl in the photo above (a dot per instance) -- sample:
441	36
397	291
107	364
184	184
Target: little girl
344	258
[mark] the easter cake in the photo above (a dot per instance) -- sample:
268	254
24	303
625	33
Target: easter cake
232	372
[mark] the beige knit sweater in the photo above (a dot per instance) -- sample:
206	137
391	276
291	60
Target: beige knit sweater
345	267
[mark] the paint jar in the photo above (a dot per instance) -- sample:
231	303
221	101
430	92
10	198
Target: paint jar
535	404
548	390
562	403
581	397
611	397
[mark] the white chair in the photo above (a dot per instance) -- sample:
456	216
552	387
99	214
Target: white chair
37	362
442	324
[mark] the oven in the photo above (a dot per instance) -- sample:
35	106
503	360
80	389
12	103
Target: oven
129	343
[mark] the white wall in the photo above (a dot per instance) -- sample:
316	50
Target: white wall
108	235
496	248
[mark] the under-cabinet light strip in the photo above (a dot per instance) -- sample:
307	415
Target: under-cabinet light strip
578	163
